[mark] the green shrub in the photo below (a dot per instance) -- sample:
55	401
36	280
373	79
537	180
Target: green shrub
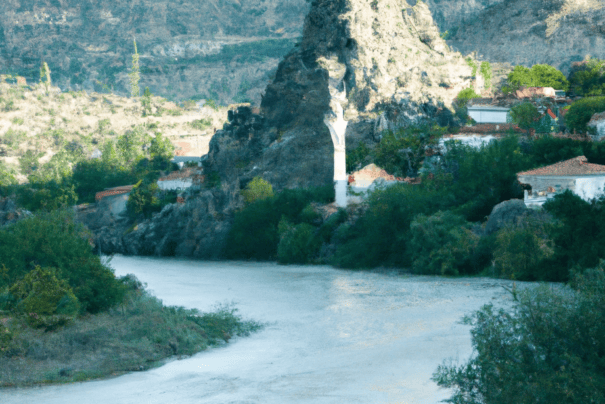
581	111
442	244
55	240
525	115
44	300
257	189
144	199
357	157
297	244
548	348
201	124
523	250
461	102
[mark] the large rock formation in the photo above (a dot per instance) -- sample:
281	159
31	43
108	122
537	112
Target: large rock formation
388	58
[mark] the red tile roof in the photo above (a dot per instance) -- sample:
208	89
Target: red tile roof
113	191
552	115
576	166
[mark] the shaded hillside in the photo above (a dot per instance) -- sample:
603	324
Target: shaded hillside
219	49
555	32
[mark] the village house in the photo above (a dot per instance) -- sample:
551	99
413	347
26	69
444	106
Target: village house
598	123
488	113
181	180
114	198
577	175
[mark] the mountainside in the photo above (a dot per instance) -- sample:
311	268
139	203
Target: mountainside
555	32
224	50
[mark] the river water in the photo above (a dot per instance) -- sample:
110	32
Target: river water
331	336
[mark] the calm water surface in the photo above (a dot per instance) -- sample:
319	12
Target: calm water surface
331	336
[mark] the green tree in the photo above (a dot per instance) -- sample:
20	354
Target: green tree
548	348
442	244
257	189
144	199
525	115
581	111
56	240
589	79
538	76
134	74
401	153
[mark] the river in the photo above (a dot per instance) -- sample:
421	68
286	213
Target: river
331	336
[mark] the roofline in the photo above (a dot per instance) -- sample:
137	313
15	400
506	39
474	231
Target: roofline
601	174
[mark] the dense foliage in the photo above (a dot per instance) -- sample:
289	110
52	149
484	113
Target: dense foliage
257	189
537	76
55	240
255	235
524	114
551	348
589	78
581	111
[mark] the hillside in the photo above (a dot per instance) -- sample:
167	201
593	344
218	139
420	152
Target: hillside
223	50
35	123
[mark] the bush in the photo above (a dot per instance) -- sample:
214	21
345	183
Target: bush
581	111
589	78
579	237
254	234
401	153
442	244
297	244
257	189
548	349
537	76
525	115
55	240
44	300
522	250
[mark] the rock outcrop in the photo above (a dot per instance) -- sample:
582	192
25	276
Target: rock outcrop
9	213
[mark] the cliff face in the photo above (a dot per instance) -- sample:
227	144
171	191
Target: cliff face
556	32
224	50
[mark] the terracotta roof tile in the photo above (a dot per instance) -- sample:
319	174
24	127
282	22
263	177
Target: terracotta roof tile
551	114
576	166
113	191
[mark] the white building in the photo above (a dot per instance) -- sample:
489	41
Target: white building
471	140
577	175
488	113
180	180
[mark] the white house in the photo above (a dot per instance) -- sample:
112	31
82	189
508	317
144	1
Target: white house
114	199
488	113
598	123
577	175
180	180
472	140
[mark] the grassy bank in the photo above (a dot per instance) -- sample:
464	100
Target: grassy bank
138	335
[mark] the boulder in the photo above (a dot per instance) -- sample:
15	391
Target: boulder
505	214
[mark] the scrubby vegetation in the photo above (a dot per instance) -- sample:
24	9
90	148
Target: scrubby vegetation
588	79
581	111
138	334
549	348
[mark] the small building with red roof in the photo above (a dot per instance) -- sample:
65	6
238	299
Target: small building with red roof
114	199
585	179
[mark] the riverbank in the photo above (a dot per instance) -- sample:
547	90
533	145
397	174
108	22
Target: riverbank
138	335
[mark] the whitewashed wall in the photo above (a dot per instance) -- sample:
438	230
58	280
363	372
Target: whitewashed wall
488	116
170	185
590	188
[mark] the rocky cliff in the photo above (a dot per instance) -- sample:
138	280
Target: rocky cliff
556	32
220	49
